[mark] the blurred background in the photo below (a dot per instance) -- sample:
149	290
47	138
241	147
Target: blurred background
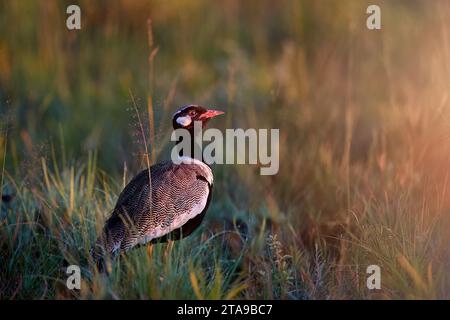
287	63
363	118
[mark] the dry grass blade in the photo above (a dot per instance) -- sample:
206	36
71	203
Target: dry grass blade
146	153
412	272
151	58
195	286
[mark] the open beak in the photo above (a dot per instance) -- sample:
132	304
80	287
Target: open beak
210	114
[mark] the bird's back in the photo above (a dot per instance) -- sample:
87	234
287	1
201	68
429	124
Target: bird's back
179	197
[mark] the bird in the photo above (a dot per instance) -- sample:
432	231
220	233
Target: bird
166	201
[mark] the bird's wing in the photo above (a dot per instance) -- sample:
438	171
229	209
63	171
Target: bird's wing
179	193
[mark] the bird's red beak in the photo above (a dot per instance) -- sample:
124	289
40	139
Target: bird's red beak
210	114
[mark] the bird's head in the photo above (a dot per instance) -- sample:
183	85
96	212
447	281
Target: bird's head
186	116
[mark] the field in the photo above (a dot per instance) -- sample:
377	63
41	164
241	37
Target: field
364	146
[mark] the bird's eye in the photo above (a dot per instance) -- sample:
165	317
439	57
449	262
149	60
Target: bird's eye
192	113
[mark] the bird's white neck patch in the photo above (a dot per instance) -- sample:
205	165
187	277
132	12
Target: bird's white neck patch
184	121
205	168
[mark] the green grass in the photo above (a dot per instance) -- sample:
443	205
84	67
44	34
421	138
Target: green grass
58	219
364	146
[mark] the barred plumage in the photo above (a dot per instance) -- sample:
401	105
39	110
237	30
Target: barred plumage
179	197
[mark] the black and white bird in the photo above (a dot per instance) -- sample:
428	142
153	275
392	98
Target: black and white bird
170	207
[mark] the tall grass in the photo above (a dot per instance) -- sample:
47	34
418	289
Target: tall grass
364	146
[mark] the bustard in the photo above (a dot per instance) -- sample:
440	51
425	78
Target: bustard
180	196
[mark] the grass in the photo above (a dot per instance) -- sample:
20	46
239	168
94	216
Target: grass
364	147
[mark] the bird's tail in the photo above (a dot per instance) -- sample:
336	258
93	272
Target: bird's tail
115	237
103	254
99	256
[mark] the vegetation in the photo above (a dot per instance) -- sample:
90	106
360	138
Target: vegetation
364	146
